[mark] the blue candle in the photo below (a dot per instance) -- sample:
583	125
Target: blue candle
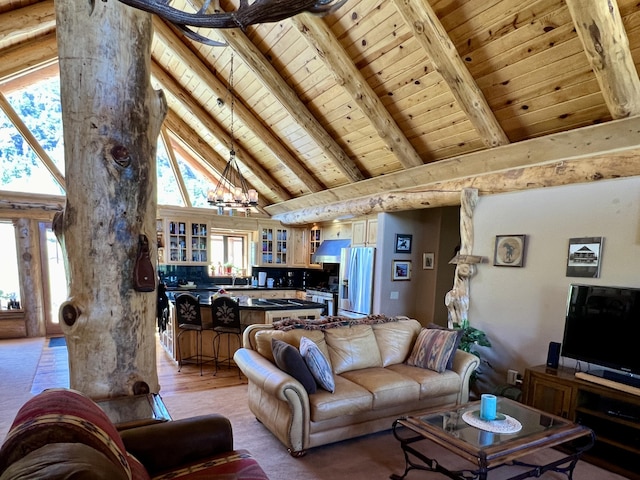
488	405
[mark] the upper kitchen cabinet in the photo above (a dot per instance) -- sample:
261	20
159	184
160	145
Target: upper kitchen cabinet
273	243
315	239
364	232
299	256
185	242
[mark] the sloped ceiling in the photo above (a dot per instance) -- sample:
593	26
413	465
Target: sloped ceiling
390	104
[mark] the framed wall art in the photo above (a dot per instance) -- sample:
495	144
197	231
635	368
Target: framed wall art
428	260
509	251
403	243
584	257
401	270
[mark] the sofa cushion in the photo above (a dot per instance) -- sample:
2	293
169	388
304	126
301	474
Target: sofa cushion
388	388
292	337
395	340
432	349
61	461
432	384
352	348
289	360
348	399
318	365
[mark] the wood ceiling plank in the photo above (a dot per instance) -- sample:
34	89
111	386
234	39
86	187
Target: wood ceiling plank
16	26
22	59
434	39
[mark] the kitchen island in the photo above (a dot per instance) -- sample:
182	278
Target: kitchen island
252	310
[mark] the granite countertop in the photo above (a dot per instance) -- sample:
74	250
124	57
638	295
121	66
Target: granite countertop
263	304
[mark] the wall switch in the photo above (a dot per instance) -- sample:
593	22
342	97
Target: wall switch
512	377
394	296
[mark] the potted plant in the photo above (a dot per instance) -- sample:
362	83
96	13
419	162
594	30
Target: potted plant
472	337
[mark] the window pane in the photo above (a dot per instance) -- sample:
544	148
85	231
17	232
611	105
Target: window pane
10	278
196	184
168	193
217	254
236	253
57	276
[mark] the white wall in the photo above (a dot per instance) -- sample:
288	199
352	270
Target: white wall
522	309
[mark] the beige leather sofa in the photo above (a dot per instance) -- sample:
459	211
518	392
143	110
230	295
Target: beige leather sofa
373	386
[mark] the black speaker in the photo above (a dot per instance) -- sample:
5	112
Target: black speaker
553	355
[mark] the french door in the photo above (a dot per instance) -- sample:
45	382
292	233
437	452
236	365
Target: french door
54	279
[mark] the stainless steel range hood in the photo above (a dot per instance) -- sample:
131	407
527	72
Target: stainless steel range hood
329	250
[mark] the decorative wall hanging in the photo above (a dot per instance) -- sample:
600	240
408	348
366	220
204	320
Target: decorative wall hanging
428	260
401	270
584	257
403	243
509	251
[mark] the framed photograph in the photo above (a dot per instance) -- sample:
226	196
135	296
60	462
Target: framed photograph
401	270
403	243
509	251
427	260
584	257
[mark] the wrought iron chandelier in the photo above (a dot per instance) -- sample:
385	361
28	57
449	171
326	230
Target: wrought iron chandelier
232	191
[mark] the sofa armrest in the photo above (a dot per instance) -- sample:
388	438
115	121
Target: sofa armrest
163	446
464	364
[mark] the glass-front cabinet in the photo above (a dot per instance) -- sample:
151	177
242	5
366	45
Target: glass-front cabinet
315	239
274	244
187	242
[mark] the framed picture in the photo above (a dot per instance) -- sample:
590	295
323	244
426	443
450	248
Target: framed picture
401	270
427	260
403	243
509	251
584	257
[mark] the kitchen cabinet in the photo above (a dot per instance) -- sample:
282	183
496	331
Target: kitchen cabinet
273	243
299	256
364	232
184	242
315	239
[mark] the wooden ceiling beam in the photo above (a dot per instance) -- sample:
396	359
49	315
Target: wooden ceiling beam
335	58
18	25
287	97
606	45
434	39
607	140
243	157
23	58
166	35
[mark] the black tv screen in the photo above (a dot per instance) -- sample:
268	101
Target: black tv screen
602	327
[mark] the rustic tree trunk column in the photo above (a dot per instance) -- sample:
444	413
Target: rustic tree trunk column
457	299
111	119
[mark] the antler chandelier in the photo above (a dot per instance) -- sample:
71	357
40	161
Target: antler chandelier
260	11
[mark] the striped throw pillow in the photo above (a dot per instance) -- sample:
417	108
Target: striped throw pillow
433	348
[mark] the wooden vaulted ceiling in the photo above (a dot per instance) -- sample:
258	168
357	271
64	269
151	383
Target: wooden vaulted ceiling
391	104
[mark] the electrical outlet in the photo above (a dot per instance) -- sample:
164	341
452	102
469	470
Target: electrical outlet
512	377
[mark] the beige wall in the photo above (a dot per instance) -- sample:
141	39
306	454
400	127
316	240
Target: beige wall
522	309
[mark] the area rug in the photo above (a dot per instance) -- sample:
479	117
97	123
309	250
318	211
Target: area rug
370	457
57	342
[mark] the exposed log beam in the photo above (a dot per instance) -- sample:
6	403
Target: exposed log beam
609	140
176	90
269	77
18	25
338	62
605	42
433	38
32	141
26	57
173	162
164	34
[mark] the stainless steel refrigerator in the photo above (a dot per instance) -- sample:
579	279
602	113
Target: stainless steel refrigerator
356	281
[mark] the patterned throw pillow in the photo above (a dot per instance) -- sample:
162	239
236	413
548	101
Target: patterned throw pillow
459	331
289	360
318	364
433	348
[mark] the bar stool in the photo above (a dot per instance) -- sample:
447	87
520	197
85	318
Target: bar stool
190	320
226	321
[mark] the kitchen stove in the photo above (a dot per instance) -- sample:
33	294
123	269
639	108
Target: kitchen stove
326	296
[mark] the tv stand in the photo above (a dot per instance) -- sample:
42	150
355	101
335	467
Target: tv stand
610	379
611	409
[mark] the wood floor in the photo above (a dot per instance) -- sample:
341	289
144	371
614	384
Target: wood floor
53	371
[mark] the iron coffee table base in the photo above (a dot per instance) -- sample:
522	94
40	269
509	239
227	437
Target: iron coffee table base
564	465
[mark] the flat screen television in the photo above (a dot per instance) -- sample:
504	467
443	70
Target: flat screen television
602	327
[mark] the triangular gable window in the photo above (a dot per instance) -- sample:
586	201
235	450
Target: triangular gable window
168	193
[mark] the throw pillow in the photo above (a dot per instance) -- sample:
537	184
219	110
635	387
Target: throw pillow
459	331
318	364
289	360
432	349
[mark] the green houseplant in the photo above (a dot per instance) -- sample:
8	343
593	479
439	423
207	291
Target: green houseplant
472	337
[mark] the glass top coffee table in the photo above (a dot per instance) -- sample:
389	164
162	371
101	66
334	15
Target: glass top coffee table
520	430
